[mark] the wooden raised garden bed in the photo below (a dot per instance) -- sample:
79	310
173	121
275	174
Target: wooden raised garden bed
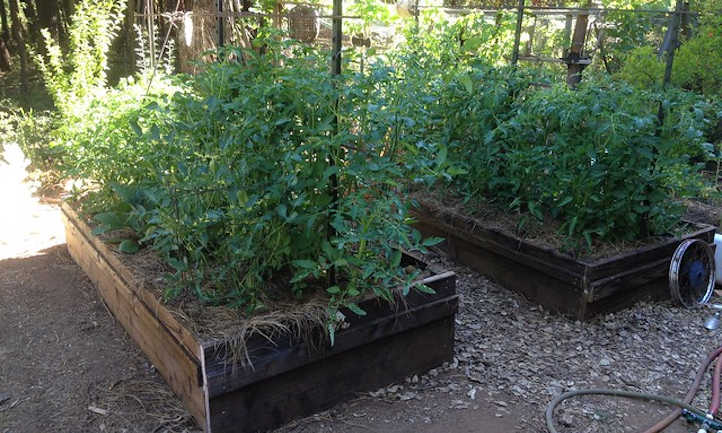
576	287
288	378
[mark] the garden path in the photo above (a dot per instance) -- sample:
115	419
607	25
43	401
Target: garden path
67	366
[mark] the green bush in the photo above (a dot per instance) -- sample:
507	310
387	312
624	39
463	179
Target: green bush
593	159
230	179
698	63
73	76
642	68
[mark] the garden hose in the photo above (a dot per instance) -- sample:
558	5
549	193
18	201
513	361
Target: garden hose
626	394
662	424
714	405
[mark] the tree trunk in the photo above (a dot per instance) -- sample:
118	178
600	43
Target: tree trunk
67	9
129	35
4	55
33	31
4	38
5	35
203	35
48	16
17	32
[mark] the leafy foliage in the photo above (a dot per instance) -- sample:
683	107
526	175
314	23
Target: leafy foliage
230	180
697	64
74	75
230	174
594	159
470	37
628	32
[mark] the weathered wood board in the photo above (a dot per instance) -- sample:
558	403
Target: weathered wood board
289	378
577	288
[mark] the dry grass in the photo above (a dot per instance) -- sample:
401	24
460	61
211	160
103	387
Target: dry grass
140	405
231	327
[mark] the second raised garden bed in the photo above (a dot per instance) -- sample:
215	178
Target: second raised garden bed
576	287
289	378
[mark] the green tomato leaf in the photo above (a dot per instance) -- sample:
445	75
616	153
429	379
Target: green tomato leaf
305	264
396	259
128	246
111	220
430	242
423	288
356	309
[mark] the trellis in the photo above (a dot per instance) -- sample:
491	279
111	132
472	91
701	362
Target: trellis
577	28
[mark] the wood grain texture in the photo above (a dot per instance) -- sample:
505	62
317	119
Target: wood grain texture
185	336
285	353
177	366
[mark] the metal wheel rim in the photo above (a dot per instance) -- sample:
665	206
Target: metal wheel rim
674	269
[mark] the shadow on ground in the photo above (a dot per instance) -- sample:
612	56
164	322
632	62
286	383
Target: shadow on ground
65	365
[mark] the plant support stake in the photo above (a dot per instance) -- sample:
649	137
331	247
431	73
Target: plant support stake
220	23
517	34
674	41
574	56
337	32
151	32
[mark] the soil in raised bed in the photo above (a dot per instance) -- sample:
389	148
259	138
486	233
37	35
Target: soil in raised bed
706	211
546	233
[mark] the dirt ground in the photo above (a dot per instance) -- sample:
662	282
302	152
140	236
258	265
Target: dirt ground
67	366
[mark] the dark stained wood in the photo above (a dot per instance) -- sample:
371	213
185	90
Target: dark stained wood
543	259
574	287
286	354
510	248
639	257
528	281
640	275
290	377
322	384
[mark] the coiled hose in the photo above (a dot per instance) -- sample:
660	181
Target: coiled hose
663	423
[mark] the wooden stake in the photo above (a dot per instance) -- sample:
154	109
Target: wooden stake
574	68
221	37
416	15
337	33
151	31
674	33
517	34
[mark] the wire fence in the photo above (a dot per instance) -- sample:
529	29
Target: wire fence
538	35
